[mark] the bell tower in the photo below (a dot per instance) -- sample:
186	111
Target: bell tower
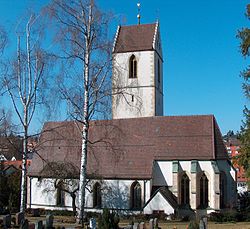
137	72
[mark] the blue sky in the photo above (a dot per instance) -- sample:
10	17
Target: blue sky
202	61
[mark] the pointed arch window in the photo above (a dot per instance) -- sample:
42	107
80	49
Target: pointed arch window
184	190
60	194
132	67
135	196
203	191
97	198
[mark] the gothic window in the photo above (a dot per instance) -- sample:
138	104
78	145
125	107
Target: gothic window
60	195
135	196
97	198
132	67
222	190
159	71
203	191
184	190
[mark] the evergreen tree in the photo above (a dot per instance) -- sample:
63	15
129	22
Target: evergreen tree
244	157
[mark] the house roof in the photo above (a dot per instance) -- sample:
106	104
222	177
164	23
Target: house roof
135	38
126	148
10	147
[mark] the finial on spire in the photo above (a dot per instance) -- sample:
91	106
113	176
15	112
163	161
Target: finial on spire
139	15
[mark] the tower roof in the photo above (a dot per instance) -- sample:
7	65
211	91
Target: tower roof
135	38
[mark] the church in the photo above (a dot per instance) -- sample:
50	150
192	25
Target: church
141	161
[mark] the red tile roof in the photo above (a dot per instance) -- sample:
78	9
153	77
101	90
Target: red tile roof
135	38
126	148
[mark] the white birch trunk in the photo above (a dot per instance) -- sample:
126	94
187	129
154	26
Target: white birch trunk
24	165
85	128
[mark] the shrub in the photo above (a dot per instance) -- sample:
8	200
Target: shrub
193	225
108	220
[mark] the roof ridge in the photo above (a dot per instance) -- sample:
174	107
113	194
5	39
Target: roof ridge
136	25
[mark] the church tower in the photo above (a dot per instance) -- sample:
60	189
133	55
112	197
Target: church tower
137	72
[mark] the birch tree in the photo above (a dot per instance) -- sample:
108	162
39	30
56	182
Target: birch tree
24	85
85	82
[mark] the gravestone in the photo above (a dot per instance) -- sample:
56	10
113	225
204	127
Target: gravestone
151	224
155	223
128	227
136	226
201	226
24	224
92	223
49	221
32	226
39	224
19	218
7	221
142	225
205	222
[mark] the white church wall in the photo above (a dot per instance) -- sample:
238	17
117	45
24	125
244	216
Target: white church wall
161	173
207	168
141	87
115	194
147	190
43	194
230	174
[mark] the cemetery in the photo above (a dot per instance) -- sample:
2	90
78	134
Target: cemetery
50	221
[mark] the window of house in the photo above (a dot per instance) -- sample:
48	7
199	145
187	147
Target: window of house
184	190
203	191
60	195
132	67
135	196
97	198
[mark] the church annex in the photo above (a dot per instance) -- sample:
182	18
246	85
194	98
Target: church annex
141	161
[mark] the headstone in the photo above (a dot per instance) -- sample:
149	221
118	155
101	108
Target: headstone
155	223
39	224
7	221
142	225
201	226
205	222
151	224
128	227
24	224
32	226
136	226
92	223
49	221
19	218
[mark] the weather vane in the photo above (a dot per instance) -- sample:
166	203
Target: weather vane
139	15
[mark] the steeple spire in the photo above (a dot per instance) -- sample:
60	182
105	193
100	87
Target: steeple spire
139	15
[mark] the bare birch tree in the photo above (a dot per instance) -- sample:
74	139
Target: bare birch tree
24	84
86	69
